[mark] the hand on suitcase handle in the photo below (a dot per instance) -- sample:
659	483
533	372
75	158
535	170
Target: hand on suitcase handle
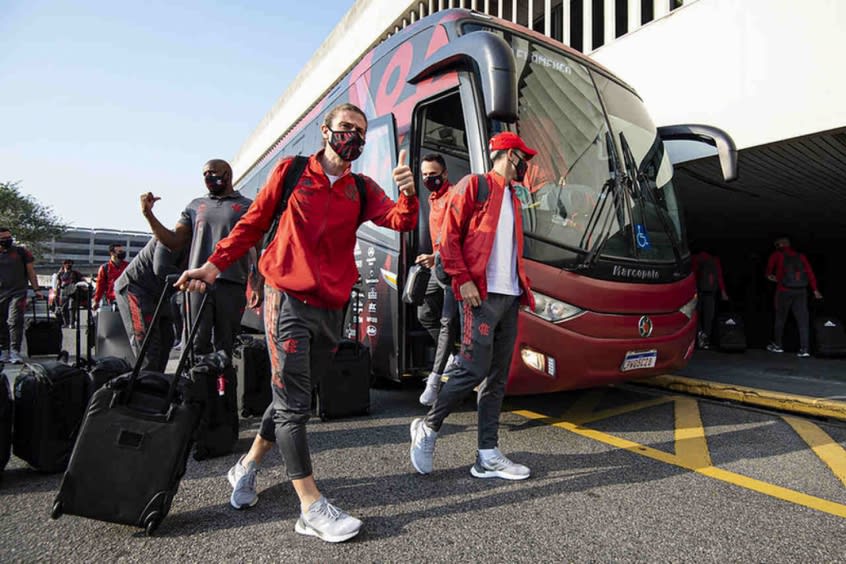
197	279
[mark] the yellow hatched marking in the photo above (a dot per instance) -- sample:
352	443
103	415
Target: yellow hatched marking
691	444
771	490
584	415
826	448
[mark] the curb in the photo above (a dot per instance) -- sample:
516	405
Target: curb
806	405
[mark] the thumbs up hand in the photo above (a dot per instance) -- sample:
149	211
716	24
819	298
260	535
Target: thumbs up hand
403	175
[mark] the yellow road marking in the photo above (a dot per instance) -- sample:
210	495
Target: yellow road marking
691	445
771	490
826	448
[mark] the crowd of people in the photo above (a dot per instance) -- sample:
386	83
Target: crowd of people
303	278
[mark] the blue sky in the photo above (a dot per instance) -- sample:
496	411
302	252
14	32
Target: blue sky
102	101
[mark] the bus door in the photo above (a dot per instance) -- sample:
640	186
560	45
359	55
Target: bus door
377	256
446	125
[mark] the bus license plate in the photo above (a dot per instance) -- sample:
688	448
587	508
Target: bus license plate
635	360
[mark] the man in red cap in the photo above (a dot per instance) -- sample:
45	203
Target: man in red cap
482	250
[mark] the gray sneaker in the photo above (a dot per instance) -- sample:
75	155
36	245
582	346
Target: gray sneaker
422	446
430	394
4	356
498	466
15	357
243	482
327	522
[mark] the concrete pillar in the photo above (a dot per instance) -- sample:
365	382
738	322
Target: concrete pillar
565	22
547	18
514	11
531	15
610	15
487	6
587	26
634	15
660	8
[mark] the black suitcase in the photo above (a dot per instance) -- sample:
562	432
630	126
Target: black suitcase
43	337
133	446
829	336
252	367
731	332
50	399
112	339
216	385
344	389
6	414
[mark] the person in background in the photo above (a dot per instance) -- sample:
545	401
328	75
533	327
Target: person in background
65	292
793	275
482	250
709	280
16	269
438	311
107	274
308	283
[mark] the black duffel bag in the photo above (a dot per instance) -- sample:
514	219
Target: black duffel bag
415	284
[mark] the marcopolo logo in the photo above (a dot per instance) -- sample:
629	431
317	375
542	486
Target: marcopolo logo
644	326
635	273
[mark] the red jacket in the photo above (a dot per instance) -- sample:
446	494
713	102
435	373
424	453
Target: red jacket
106	277
468	235
437	207
311	256
775	265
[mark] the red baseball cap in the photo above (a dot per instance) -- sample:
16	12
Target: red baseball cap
510	140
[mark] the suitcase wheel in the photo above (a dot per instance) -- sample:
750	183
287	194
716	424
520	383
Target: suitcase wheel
151	523
57	510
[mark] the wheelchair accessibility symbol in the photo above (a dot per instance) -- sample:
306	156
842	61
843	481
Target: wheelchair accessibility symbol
642	237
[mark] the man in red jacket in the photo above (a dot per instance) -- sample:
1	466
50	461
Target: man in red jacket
793	274
708	272
108	273
482	250
309	271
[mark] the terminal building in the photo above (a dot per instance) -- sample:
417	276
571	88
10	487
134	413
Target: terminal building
758	69
88	248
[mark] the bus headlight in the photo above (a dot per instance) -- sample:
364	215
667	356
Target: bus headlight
690	307
553	310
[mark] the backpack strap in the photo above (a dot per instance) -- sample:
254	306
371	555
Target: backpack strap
361	185
484	190
292	177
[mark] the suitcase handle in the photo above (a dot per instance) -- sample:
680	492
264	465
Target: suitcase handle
170	280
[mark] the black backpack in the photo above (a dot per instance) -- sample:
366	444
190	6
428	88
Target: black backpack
707	275
794	275
443	279
292	177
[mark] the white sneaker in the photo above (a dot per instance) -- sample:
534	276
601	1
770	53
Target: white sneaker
243	482
497	465
430	394
772	347
15	357
327	522
422	446
4	356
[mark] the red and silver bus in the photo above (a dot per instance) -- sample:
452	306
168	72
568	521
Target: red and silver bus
605	245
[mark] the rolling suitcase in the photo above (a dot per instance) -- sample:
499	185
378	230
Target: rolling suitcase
43	337
133	446
252	367
50	399
6	406
829	336
731	333
344	389
112	339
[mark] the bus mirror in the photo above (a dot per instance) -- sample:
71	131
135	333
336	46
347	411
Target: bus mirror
714	136
490	58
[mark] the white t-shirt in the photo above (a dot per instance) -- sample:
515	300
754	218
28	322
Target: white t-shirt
332	179
501	272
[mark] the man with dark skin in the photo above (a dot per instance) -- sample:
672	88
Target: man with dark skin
13	281
308	282
204	222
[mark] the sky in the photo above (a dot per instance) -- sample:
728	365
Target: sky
103	101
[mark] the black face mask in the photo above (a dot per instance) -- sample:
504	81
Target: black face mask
347	144
121	255
433	183
520	170
216	183
6	243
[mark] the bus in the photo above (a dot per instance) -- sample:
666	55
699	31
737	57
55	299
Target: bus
605	244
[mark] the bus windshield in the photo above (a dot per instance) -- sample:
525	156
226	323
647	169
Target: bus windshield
580	195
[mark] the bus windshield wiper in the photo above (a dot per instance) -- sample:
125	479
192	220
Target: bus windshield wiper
637	178
610	188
